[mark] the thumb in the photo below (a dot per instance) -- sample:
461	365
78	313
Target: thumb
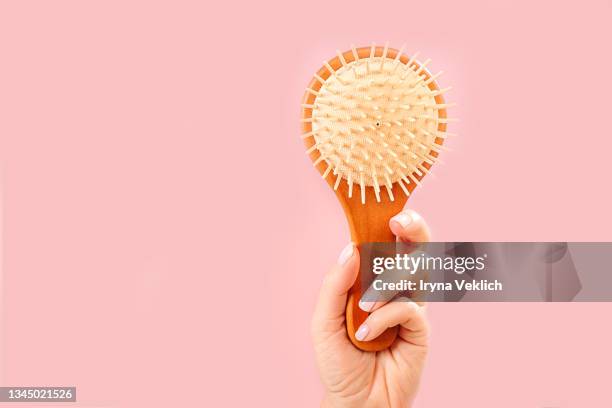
409	226
329	312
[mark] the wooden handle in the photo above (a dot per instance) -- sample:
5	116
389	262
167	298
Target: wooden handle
369	223
354	315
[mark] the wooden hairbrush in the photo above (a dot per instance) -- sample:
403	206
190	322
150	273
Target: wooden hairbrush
373	122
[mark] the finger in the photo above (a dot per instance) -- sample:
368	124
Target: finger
409	226
370	300
401	312
373	299
330	308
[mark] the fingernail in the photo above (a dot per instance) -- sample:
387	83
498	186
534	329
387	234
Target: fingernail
362	332
346	254
403	219
409	302
412	305
366	306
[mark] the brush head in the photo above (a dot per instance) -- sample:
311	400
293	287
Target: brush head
376	121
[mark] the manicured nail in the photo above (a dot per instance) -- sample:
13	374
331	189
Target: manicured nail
366	306
346	254
362	332
409	302
403	219
412	305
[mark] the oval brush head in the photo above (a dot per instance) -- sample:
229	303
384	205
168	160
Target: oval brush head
373	119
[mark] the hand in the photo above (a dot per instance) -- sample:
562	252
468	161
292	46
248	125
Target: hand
355	378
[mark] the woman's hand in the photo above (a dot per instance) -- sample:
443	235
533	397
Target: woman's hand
355	378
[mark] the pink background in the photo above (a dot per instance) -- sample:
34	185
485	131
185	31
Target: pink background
164	235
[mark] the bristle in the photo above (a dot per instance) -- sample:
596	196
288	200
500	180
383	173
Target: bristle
412	59
437	133
338	179
362	186
355	58
327	171
312	148
366	156
404	178
388	181
341	57
414	179
439	106
312	91
423	168
384	56
377	191
309	134
439	147
372	49
436	160
355	54
319	160
376	186
329	68
441	91
396	60
433	78
444	135
401	184
390	192
426	158
422	67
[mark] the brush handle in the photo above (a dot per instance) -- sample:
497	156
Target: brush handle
369	223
